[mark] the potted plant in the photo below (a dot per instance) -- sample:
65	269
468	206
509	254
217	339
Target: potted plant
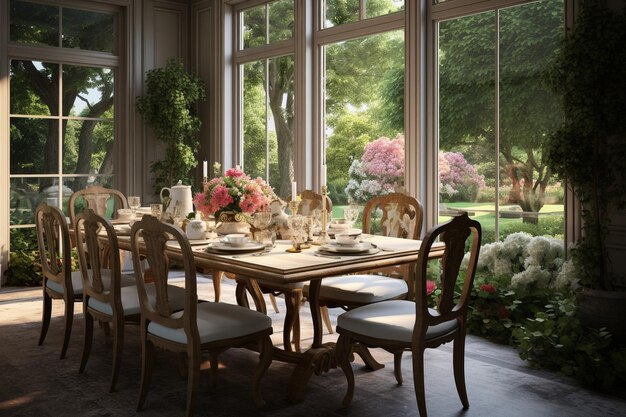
169	107
589	148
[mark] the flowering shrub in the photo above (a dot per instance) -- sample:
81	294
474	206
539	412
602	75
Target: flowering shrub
235	191
458	180
381	167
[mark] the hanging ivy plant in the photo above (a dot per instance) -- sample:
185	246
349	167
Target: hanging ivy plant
169	106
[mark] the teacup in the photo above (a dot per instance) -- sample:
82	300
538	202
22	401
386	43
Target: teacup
346	239
236	239
124	214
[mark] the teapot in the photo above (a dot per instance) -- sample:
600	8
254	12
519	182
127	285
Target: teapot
180	197
196	229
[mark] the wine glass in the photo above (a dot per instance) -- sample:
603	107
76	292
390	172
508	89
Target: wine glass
261	220
351	213
134	202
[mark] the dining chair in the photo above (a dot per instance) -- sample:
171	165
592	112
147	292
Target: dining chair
97	198
210	327
59	281
394	215
108	295
292	292
411	325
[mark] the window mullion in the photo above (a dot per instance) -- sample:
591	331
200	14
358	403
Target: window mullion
497	127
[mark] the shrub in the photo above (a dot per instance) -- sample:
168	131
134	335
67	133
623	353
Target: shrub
461	182
380	169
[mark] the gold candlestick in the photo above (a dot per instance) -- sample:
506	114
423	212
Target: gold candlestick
323	238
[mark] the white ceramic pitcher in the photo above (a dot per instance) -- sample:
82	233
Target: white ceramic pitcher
180	196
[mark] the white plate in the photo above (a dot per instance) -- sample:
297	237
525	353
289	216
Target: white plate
369	251
225	247
351	232
336	248
192	242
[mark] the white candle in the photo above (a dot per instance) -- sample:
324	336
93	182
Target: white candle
205	169
293	191
323	176
238	167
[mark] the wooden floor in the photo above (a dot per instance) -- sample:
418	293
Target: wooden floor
34	382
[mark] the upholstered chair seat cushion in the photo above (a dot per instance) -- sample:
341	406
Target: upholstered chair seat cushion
77	282
390	320
217	321
130	299
362	289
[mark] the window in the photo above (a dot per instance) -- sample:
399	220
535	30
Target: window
267	93
362	46
494	112
62	113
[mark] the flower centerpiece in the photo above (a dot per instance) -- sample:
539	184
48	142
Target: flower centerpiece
233	197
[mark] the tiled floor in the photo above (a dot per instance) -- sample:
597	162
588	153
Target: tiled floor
34	382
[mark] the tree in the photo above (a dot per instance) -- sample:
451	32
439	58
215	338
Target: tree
529	39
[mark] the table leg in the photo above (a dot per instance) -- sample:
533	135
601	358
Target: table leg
217	283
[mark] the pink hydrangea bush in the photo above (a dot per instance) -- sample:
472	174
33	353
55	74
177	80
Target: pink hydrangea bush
235	191
380	169
458	179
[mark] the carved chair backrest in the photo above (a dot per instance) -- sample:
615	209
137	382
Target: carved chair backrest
454	234
97	199
100	239
53	238
148	240
310	200
401	216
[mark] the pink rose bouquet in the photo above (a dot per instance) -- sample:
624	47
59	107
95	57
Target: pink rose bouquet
234	191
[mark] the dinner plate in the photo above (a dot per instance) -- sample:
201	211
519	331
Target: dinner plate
350	232
337	248
369	251
122	229
225	247
192	242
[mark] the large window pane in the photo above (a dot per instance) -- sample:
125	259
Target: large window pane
33	23
89	30
34	88
474	153
268	135
87	147
339	12
34	146
253	27
25	196
530	36
88	91
281	20
375	8
467	73
364	123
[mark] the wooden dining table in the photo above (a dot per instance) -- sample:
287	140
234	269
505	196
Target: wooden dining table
280	266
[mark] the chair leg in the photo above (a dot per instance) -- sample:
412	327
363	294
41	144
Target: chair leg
343	351
326	317
45	320
69	320
215	365
458	360
418	380
265	360
118	347
240	294
193	378
274	305
147	357
87	341
397	366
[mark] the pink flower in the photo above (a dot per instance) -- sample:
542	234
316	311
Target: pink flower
488	288
430	287
234	173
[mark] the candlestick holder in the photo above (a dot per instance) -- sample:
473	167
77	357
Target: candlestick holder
205	184
295	223
323	237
